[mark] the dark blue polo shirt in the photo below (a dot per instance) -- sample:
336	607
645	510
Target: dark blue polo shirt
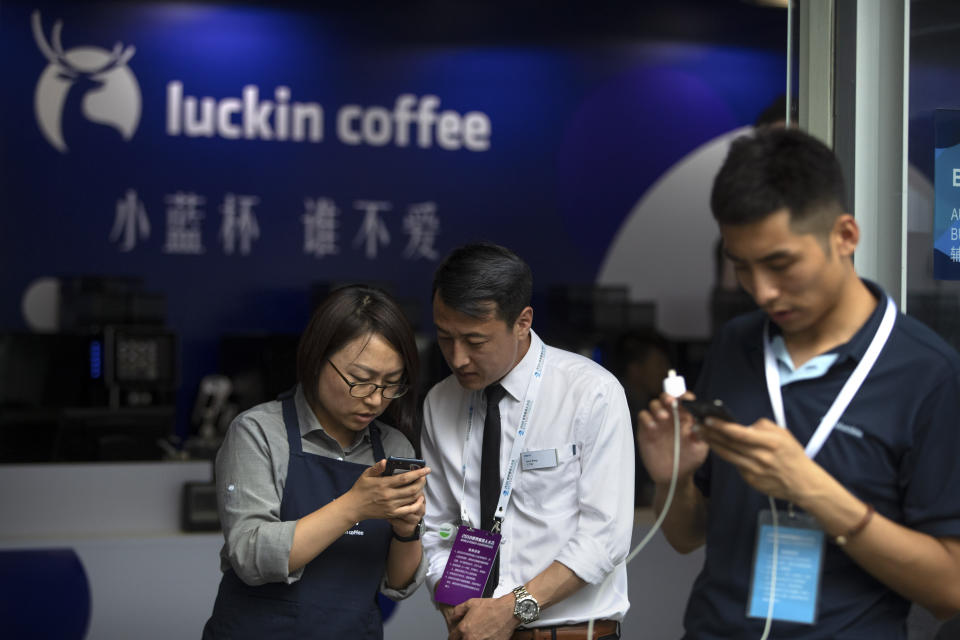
897	446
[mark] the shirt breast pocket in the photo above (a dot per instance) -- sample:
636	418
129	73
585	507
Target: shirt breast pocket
549	479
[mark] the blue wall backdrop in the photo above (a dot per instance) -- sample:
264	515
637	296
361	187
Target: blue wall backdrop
234	156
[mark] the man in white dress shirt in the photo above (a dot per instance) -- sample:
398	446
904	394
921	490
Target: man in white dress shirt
567	516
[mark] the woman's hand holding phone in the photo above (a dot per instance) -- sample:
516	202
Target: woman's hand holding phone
397	465
377	495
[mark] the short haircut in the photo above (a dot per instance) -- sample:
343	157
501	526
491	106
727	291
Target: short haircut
775	168
357	311
636	345
776	113
483	278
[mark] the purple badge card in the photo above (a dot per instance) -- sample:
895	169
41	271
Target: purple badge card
468	566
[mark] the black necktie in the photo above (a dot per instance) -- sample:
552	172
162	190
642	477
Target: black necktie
490	473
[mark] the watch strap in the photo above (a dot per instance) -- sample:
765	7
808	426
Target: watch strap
521	594
413	536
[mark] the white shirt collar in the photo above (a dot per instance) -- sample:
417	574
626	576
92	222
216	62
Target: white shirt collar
516	380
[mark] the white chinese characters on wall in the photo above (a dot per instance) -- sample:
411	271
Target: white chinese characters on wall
184	223
373	231
130	223
422	225
320	227
239	228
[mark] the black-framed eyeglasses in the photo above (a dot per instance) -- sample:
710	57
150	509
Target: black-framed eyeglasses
365	389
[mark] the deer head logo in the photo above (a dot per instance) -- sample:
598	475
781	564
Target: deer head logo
106	89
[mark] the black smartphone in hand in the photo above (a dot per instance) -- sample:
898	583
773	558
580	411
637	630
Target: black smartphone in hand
701	409
397	465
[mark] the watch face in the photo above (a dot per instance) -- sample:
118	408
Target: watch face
528	609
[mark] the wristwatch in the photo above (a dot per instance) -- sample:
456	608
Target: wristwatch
417	530
526	608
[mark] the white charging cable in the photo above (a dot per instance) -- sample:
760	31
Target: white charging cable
773	570
675	386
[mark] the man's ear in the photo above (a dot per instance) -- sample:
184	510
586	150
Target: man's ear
524	322
845	235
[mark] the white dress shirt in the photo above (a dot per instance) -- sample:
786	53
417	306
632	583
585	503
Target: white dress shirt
579	512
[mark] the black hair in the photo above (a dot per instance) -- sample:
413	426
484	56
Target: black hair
775	113
352	312
775	168
636	345
480	278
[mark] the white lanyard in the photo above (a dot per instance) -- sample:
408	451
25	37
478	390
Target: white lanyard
850	387
506	490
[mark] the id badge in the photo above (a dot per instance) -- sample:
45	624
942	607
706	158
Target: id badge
800	545
468	566
543	459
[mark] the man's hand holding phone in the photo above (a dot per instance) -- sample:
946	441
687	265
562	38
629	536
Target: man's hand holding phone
701	410
768	457
655	437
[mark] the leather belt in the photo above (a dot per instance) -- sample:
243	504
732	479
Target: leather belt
601	628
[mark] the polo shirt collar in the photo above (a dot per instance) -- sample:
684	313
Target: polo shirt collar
813	368
310	424
516	380
856	347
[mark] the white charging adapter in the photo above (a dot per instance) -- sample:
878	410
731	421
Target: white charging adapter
674	384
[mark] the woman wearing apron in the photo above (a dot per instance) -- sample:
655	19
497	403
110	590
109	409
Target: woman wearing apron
313	530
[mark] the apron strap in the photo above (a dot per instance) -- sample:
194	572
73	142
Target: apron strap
377	444
291	422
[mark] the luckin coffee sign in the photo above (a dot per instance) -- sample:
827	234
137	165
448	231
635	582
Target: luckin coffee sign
411	121
108	93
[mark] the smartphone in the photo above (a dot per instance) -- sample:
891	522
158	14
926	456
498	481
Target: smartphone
402	465
701	409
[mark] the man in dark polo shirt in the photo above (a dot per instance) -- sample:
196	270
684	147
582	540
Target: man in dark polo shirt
856	502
